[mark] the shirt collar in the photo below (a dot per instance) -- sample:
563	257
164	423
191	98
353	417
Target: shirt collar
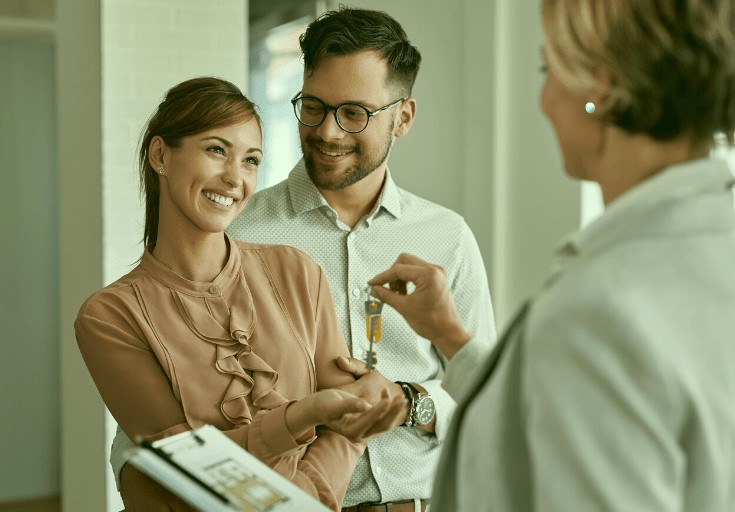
390	197
306	197
636	213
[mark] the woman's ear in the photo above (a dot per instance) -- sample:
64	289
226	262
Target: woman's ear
405	117
602	88
157	153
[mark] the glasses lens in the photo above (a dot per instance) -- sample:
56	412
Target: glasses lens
352	118
309	111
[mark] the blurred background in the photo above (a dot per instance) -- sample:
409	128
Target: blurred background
78	80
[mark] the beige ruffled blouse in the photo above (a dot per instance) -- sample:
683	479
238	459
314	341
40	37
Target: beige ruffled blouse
168	354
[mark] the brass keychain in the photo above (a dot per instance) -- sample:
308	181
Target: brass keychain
373	326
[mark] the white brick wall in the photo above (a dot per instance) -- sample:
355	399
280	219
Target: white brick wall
148	46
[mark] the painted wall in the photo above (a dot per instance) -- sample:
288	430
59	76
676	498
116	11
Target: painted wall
80	249
29	350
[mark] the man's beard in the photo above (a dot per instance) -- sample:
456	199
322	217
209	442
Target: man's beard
364	167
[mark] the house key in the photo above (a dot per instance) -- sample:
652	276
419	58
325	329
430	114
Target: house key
373	308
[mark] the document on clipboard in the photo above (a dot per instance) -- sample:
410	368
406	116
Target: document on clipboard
212	473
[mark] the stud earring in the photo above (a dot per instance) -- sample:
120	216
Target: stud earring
160	170
590	107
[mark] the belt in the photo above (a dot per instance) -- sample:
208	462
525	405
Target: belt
395	506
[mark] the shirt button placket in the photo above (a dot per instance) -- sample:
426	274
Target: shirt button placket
353	299
355	278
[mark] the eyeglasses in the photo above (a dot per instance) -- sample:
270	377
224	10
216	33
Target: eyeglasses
351	117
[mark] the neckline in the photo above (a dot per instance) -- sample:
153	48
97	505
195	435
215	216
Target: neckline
168	277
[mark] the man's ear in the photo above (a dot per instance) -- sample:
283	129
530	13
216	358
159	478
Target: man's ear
157	153
405	117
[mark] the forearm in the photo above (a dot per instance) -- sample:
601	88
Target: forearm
300	419
450	338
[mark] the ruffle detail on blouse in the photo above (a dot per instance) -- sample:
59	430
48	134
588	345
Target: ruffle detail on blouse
251	375
254	377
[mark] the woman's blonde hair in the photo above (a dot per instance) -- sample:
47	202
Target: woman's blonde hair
671	62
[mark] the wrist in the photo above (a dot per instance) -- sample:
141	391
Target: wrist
299	417
423	409
451	341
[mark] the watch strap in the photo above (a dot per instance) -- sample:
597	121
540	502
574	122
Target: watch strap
407	390
415	389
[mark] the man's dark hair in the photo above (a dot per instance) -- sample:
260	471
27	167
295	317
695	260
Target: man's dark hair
347	31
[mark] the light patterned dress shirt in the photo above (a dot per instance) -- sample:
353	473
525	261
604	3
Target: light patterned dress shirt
401	464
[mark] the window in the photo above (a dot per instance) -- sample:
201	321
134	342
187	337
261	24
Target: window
276	72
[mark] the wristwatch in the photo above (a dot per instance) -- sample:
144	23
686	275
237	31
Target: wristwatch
422	407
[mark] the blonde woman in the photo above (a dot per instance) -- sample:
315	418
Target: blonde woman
614	388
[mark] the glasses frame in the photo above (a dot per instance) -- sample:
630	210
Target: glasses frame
327	108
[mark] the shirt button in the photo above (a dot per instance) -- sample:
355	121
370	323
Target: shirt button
379	470
214	289
356	292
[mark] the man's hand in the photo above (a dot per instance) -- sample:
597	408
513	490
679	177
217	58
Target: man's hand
430	308
369	383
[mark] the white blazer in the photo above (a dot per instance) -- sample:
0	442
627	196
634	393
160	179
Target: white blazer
615	388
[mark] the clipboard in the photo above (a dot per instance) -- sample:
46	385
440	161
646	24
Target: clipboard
212	473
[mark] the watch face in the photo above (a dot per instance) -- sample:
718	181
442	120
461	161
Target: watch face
424	410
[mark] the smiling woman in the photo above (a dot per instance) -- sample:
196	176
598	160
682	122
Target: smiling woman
204	181
199	108
206	330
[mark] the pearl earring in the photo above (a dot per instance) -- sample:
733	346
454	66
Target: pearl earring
590	107
160	170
